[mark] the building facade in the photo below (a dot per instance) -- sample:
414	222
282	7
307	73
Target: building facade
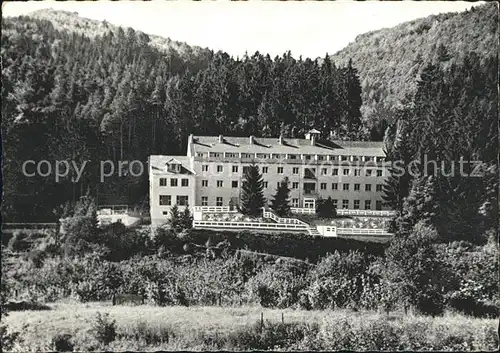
212	172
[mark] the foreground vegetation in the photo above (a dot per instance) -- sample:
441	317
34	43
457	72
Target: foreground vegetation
146	328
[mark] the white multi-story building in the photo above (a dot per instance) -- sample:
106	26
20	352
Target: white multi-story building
212	172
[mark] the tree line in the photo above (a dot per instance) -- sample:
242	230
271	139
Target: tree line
115	97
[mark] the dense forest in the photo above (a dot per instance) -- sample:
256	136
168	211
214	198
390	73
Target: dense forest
390	60
69	96
81	90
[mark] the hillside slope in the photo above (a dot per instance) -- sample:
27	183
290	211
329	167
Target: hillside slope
389	61
72	22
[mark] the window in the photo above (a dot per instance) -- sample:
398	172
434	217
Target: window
335	171
356	187
184	182
234	183
292	156
231	155
235	169
204	201
346	171
247	155
321	157
263	155
295	202
199	154
324	171
368	172
165	200
173	182
220	183
378	205
334	203
204	168
218	201
345	187
368	187
307	157
214	154
379	187
356	204
280	170
344	158
163	181
368	159
295	185
220	169
182	200
265	170
204	183
345	203
380	159
323	186
333	158
295	170
335	186
368	204
264	184
357	172
379	172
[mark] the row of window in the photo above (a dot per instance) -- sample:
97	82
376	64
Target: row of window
307	157
181	200
174	182
219	201
295	170
295	185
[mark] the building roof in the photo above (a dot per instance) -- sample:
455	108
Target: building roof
159	163
292	146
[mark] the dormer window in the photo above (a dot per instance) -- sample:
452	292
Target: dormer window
174	168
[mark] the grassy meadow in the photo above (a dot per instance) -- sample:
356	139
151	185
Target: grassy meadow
150	328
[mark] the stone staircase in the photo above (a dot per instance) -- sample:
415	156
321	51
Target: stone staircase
313	231
268	213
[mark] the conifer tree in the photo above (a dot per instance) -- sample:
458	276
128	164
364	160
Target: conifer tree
175	221
252	195
280	202
186	219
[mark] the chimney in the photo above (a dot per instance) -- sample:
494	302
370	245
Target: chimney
313	139
252	139
221	139
280	140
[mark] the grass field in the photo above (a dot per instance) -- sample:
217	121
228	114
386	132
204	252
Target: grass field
150	328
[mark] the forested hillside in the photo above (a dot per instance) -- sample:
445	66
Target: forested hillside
80	96
390	60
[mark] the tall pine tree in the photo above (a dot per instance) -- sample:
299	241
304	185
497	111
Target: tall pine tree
280	202
252	195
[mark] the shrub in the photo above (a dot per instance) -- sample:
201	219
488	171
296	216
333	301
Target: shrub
8	339
104	329
19	241
62	343
142	331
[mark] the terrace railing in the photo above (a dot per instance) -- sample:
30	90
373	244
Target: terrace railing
362	231
303	210
214	209
267	213
251	225
377	213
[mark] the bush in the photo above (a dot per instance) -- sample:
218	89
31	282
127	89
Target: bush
62	343
19	241
104	329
